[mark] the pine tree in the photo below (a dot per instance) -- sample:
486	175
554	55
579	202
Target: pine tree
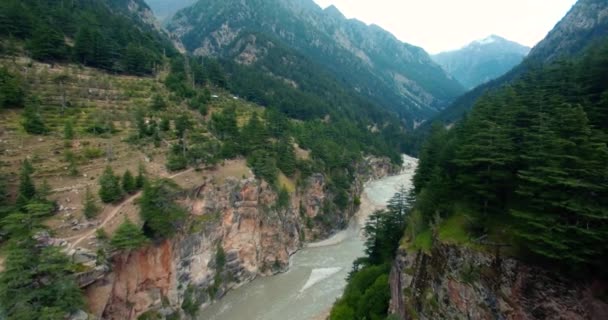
68	130
128	182
27	189
286	157
109	183
48	44
32	121
37	283
140	180
158	209
128	237
11	90
90	209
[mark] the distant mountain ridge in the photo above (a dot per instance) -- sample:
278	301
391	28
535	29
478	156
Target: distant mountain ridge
366	59
482	60
585	24
165	9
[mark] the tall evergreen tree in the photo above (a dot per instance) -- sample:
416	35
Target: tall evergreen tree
110	190
128	237
90	208
128	182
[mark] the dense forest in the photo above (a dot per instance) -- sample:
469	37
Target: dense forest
102	34
527	167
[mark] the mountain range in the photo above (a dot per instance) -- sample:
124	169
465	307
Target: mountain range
367	61
482	60
583	26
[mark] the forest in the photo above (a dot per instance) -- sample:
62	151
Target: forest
527	166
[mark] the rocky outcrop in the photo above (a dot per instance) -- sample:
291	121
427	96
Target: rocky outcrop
236	232
460	283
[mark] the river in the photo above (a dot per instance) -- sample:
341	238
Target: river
316	277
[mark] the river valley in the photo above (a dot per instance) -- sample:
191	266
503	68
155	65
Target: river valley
316	277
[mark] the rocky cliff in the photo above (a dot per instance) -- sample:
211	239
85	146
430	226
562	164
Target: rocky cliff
236	232
453	282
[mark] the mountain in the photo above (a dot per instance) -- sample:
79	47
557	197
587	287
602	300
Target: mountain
584	25
165	9
116	35
365	60
482	60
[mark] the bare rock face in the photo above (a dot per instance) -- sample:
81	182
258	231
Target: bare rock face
236	232
459	283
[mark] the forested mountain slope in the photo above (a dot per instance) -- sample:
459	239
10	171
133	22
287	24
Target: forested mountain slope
118	36
585	24
364	61
482	60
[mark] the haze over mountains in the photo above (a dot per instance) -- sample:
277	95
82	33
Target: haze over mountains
482	60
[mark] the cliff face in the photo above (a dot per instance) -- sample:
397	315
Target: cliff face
236	232
459	283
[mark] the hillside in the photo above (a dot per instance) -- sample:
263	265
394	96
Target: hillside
117	149
364	61
482	60
585	24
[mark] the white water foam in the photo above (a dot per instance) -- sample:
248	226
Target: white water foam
318	275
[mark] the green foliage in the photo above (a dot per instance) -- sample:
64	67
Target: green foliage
106	34
68	130
140	180
128	237
533	156
110	190
264	165
128	182
176	162
71	160
161	215
192	301
12	94
286	157
366	296
47	44
158	103
220	258
283	199
37	283
27	189
90	209
32	120
385	228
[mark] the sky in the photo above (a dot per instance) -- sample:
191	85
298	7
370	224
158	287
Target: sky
442	25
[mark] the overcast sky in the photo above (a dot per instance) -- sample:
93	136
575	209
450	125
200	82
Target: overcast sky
440	25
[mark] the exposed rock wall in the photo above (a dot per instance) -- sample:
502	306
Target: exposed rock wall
459	283
236	232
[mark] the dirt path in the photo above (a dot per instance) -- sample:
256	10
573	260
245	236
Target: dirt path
79	238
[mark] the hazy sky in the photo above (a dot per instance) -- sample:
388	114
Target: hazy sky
439	25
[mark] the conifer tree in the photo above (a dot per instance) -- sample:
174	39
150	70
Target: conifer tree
140	180
109	183
90	209
27	189
286	154
158	209
128	237
128	182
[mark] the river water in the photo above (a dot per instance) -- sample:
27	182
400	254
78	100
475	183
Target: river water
316	277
